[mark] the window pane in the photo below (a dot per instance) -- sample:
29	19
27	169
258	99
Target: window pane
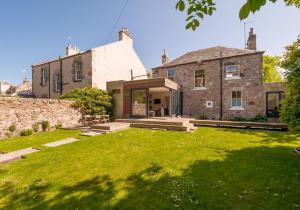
232	71
199	78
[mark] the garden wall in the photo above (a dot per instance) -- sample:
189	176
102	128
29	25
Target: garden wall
24	112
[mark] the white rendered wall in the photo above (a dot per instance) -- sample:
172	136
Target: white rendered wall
114	61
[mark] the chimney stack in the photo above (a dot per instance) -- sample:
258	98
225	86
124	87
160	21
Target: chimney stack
125	35
251	43
165	57
71	50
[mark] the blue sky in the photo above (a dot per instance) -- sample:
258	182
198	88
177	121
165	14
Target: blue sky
37	30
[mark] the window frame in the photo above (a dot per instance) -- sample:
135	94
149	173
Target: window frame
44	71
232	77
241	98
57	81
171	69
77	73
204	81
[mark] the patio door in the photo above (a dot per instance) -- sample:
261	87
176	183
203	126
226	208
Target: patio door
139	102
273	100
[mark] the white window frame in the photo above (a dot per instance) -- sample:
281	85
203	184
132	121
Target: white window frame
44	76
173	77
199	87
209	104
77	71
232	77
236	107
57	83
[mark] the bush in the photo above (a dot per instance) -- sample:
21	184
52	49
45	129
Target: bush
36	127
259	118
202	117
238	118
45	125
91	100
290	109
26	132
58	126
12	128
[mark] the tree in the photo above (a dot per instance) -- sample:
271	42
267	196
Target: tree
91	100
270	69
198	9
290	110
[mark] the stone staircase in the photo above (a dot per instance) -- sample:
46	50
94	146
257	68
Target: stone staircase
175	124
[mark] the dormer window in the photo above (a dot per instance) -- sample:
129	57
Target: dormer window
232	72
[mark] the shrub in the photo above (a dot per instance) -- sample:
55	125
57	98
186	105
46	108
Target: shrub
259	118
290	110
58	126
36	127
45	125
202	117
12	128
238	118
26	132
91	100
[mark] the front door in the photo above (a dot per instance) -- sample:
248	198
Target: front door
139	103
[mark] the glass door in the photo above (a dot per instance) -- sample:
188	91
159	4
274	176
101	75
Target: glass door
273	104
139	102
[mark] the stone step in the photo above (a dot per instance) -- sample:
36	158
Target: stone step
175	122
159	126
15	155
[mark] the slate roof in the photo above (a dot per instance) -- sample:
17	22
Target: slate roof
207	54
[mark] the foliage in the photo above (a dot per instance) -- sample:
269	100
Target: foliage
58	126
259	118
91	100
12	128
27	132
209	168
270	69
198	9
45	125
290	109
238	118
36	127
202	117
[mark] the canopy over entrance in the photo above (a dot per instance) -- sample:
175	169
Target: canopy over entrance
151	97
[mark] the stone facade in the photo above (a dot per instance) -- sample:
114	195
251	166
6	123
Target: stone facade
249	83
25	112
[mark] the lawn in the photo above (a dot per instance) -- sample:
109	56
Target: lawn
145	169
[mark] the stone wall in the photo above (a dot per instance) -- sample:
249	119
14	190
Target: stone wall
194	99
24	112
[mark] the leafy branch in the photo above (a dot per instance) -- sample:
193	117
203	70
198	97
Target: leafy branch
197	9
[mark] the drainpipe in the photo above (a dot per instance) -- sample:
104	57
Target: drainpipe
61	82
49	81
221	85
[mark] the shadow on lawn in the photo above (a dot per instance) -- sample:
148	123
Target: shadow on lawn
261	178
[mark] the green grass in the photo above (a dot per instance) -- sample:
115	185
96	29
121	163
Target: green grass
145	169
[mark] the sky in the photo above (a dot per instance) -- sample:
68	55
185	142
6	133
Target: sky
32	31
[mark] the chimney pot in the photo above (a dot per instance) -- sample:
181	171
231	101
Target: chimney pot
165	57
251	43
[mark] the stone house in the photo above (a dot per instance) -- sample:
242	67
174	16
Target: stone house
215	83
91	68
